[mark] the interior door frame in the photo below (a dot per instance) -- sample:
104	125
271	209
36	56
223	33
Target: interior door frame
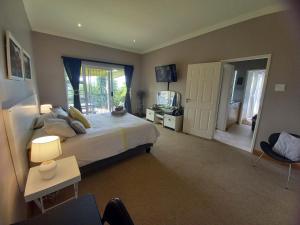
269	58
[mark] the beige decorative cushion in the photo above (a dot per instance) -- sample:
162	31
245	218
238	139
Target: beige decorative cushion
77	115
58	127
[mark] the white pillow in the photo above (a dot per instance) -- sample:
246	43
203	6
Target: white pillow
37	133
58	127
39	121
288	146
59	111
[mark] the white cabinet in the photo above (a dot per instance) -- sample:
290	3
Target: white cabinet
150	115
174	122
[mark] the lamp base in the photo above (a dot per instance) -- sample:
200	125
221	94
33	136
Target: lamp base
47	169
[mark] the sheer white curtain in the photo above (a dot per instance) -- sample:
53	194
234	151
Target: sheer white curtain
104	87
253	92
96	88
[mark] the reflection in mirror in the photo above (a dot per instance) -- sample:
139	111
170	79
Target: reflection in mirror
168	99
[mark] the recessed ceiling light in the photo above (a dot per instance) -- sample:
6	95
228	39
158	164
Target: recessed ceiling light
133	41
79	25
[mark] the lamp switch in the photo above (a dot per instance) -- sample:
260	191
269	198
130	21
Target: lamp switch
280	87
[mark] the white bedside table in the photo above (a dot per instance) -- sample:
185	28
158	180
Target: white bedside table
67	174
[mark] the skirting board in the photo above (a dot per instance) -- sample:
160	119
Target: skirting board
265	156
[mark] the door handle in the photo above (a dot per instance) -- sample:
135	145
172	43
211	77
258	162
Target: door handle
187	100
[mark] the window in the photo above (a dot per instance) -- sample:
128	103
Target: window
102	87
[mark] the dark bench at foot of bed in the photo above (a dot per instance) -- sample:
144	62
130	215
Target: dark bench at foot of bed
85	170
83	211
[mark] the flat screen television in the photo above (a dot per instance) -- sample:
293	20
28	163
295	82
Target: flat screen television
166	73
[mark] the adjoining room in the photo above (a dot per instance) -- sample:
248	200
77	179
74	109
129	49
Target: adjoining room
242	91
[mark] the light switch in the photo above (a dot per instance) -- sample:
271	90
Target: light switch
280	87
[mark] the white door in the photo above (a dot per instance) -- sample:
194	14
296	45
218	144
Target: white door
202	90
226	94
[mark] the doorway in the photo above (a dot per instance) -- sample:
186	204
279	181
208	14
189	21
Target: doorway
241	97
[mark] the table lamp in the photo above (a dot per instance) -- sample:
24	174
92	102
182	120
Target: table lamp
45	108
44	150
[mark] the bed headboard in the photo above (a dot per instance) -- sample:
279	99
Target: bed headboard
18	124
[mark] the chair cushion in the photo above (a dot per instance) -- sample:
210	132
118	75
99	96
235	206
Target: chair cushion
288	146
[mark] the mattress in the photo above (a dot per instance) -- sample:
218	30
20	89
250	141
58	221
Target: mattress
109	136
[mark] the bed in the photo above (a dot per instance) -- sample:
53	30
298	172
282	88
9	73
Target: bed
110	138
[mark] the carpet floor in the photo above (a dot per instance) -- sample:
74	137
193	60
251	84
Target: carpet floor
187	180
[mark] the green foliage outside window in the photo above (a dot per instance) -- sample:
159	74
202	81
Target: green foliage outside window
94	90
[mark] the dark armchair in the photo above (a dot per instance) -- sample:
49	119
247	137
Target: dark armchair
267	148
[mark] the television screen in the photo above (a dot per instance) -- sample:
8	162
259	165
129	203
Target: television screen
166	73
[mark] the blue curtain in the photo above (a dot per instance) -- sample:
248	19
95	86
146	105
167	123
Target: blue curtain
73	67
128	77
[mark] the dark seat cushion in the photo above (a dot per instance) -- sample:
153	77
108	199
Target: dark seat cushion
83	211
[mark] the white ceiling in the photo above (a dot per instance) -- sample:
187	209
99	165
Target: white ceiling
152	23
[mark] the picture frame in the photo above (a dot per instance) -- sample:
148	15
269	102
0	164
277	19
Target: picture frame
14	58
26	64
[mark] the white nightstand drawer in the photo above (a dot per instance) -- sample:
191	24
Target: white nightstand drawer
169	118
174	122
169	121
150	114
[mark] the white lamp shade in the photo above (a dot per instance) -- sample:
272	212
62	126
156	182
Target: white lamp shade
45	148
46	108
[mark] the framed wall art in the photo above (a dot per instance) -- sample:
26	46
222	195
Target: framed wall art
26	65
14	58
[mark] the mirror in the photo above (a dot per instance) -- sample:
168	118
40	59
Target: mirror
168	99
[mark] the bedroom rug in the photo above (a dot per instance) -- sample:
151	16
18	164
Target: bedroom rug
187	180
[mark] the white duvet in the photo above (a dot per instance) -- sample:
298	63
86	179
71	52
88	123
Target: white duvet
109	136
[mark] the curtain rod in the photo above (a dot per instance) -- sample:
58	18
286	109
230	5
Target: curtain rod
97	61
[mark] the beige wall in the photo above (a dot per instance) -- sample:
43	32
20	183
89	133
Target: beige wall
14	19
48	50
263	35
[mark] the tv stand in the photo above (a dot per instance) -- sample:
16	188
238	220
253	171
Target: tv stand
167	120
